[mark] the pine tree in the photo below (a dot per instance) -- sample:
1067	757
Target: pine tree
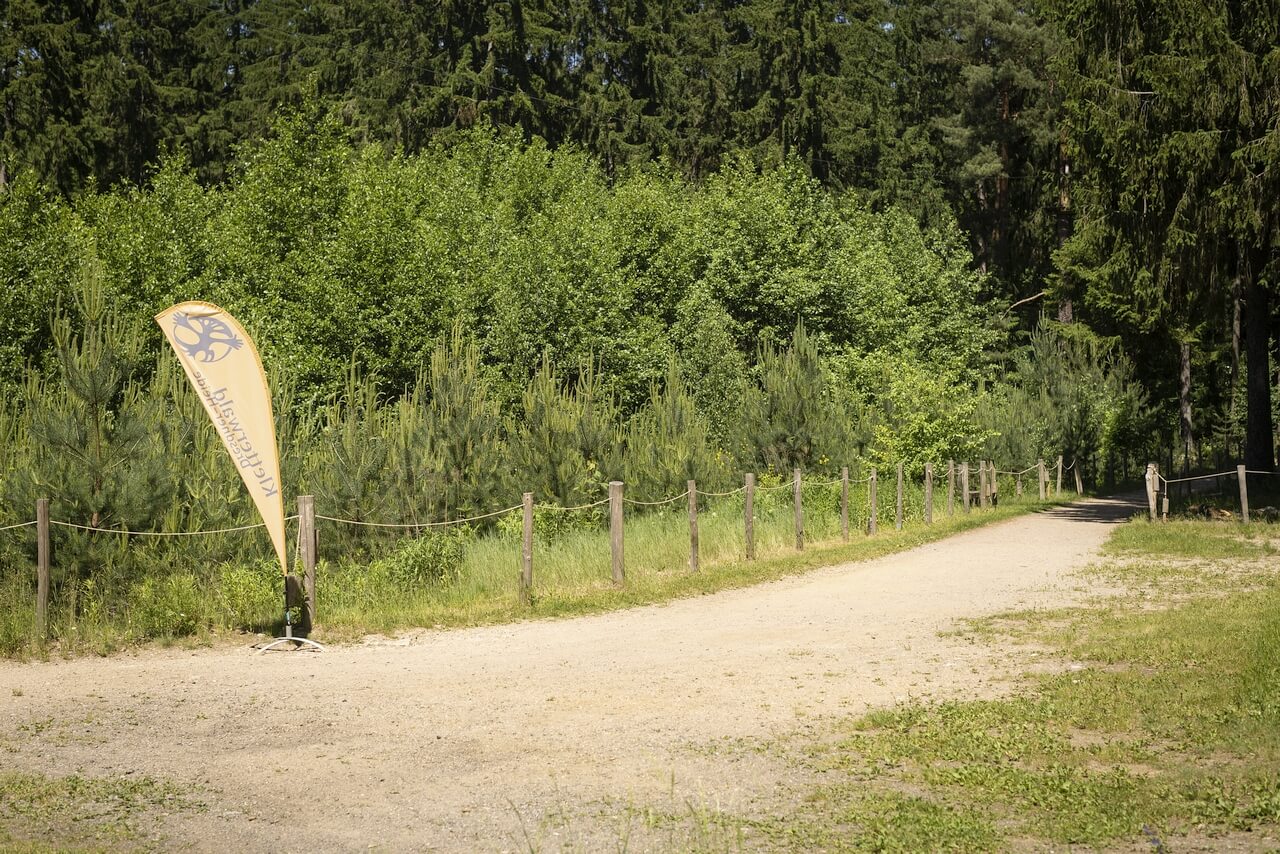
97	433
462	430
544	443
793	421
348	466
668	444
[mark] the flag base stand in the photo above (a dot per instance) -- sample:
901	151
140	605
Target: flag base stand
299	643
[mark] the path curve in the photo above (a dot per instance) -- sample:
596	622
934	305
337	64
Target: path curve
473	739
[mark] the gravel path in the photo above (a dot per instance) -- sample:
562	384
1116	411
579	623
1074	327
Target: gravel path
546	734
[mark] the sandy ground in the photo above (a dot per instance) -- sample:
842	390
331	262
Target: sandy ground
549	734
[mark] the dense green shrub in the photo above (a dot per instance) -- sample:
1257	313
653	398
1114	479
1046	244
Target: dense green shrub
168	607
250	595
430	558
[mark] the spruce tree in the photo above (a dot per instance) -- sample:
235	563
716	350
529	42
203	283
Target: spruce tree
1173	113
668	444
96	430
793	420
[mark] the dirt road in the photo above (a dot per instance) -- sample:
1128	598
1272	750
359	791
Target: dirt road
543	734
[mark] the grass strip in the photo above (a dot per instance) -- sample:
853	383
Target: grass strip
1165	730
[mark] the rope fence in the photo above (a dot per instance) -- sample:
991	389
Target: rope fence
129	533
559	509
1158	488
702	494
1026	470
1232	473
404	525
957	477
659	502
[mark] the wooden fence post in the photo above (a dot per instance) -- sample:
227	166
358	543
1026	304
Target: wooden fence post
897	519
1244	494
984	489
873	495
1079	481
928	493
1152	483
1043	477
526	551
951	487
615	529
995	483
964	485
1057	484
307	534
693	526
844	503
42	567
1017	486
749	514
799	514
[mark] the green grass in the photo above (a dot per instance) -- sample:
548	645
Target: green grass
1167	724
81	814
1188	539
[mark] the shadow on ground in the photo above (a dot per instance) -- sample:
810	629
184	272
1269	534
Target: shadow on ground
1113	509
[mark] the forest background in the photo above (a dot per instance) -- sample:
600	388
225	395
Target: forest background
497	247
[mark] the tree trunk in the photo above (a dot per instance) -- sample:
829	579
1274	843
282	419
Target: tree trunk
1184	404
1259	453
1064	310
1063	222
1234	389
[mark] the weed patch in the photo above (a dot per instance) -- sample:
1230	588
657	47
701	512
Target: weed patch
75	813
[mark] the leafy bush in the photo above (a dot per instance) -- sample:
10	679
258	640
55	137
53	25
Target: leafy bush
551	523
820	499
774	492
924	414
431	558
166	607
17	615
250	595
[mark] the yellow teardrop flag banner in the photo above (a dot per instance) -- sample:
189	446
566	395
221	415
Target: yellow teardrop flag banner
224	368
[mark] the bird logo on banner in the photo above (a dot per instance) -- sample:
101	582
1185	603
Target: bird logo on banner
205	339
